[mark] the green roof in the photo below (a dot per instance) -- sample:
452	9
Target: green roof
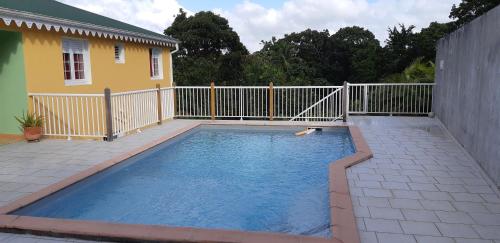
54	9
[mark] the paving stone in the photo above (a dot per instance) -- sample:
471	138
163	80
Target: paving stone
396	178
385	213
405	203
436	195
491	198
433	239
478	189
422	179
471	207
405	194
486	218
368	184
437	205
492	207
360	211
360	224
466	197
419	228
462	240
454	217
474	181
488	232
423	186
395	238
374	201
370	177
395	185
457	230
382	225
368	237
420	215
370	192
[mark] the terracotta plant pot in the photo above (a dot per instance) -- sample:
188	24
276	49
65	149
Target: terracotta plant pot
32	133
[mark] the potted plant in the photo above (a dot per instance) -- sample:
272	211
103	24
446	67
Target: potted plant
31	125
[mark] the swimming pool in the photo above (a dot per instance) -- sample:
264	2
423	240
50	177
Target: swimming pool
236	177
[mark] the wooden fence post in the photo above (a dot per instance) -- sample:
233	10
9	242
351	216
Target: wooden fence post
271	101
345	101
109	116
158	101
212	100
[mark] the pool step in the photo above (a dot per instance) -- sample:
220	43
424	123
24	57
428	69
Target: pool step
308	130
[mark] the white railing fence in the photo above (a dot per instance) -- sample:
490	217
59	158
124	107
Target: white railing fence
328	108
78	115
110	115
398	98
306	102
192	101
241	102
133	110
167	103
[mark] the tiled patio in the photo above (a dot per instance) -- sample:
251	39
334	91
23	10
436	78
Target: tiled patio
419	187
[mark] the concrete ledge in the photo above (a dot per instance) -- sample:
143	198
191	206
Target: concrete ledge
343	223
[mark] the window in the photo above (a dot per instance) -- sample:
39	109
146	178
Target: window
119	53
76	62
155	64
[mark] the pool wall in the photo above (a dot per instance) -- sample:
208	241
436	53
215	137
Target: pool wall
343	222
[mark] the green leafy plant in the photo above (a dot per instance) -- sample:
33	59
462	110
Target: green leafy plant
29	120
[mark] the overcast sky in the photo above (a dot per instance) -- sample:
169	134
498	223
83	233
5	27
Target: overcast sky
257	20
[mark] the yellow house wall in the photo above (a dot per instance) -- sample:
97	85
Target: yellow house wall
44	67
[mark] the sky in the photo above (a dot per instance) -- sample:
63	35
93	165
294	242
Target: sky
256	20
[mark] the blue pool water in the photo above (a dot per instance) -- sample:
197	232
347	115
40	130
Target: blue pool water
253	179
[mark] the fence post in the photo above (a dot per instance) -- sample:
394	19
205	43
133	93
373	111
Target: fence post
158	101
271	101
241	103
345	101
174	99
212	100
68	125
365	105
109	117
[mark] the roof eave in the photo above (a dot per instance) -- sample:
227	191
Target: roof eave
30	19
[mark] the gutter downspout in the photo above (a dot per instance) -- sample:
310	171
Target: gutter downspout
171	65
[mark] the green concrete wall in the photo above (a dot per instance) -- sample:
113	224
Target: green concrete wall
13	96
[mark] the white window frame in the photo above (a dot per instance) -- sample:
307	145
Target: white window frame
67	44
157	52
121	54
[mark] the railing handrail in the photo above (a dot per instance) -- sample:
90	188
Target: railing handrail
393	84
65	94
317	103
133	92
308	87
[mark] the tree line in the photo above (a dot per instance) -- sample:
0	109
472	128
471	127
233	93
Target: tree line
211	50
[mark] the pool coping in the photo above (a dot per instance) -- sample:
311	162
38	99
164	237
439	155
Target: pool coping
343	222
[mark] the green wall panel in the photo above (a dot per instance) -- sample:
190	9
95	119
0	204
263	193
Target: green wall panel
13	96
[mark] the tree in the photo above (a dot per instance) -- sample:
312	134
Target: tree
303	58
360	54
468	10
209	50
419	71
399	51
425	40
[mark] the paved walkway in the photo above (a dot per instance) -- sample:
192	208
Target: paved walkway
419	187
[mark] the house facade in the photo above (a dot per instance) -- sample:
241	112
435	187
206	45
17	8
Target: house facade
50	47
